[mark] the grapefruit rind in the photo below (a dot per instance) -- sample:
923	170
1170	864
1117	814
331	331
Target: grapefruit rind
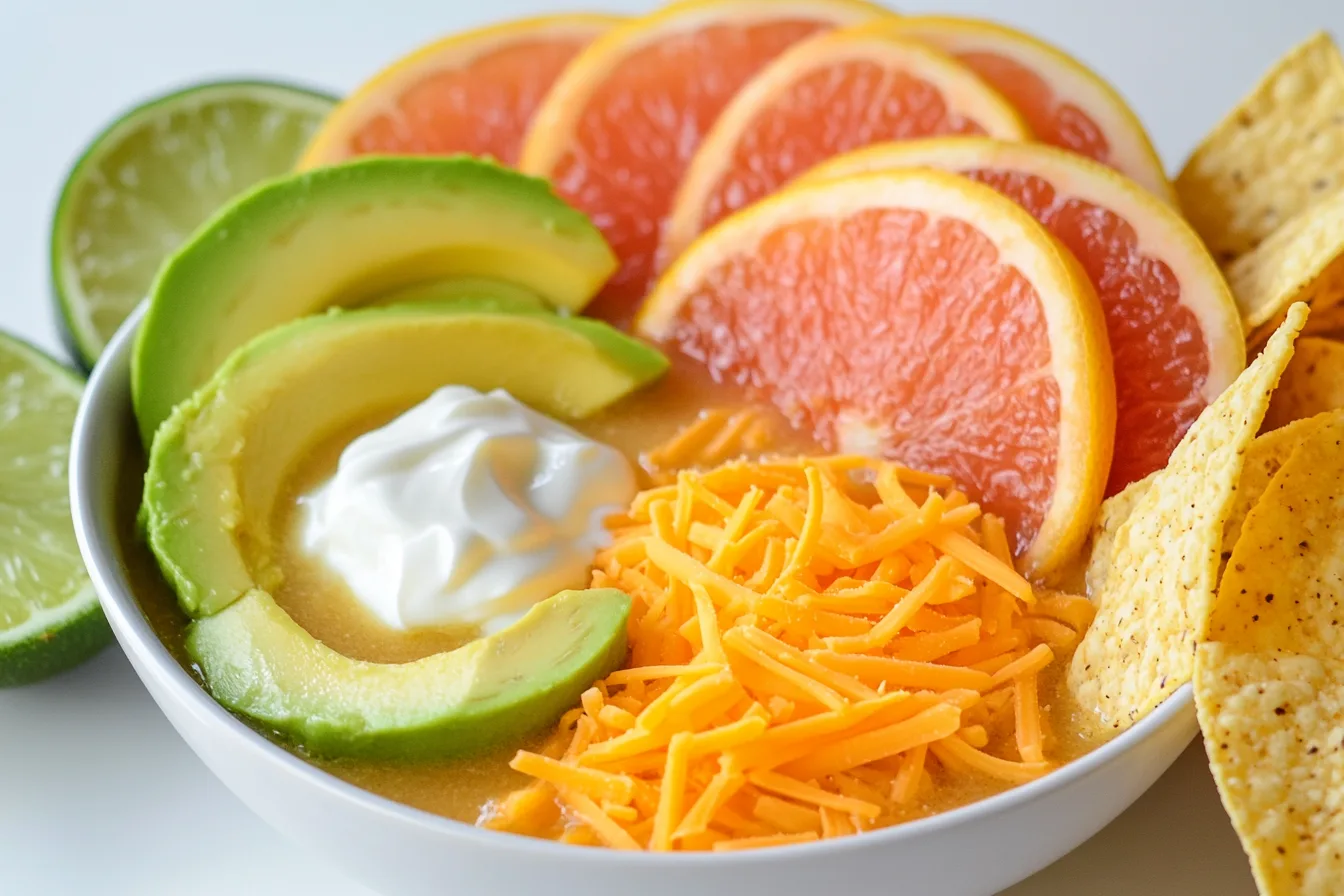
380	92
965	94
1132	151
1160	230
1076	329
556	119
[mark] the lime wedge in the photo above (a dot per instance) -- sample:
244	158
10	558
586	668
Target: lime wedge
49	614
145	183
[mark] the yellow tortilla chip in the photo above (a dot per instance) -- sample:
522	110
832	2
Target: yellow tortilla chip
1269	672
1268	453
1312	384
1279	152
1284	584
1164	559
1302	261
1115	510
1326	321
1271	724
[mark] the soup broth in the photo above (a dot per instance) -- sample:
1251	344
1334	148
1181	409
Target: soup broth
321	603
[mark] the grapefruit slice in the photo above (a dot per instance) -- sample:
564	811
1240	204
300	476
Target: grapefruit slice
827	95
1066	103
617	130
1173	325
918	316
473	92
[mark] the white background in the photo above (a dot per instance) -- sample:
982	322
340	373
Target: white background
97	794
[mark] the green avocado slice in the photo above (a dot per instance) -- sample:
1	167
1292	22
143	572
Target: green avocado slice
490	692
496	293
218	464
345	236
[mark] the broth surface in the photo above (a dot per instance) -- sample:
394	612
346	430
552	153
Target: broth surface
324	606
317	598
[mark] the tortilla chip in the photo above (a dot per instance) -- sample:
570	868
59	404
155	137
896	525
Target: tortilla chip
1271	724
1279	152
1164	559
1301	261
1268	453
1284	584
1326	321
1269	675
1115	511
1312	384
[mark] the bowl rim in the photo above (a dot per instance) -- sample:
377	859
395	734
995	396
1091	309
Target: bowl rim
138	637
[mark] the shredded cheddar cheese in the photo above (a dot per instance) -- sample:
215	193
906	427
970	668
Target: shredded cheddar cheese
816	646
712	438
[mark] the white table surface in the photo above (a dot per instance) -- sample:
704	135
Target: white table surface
97	793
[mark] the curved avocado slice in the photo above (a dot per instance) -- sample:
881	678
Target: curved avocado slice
496	690
343	236
496	293
218	464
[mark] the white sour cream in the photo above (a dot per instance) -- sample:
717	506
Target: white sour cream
467	509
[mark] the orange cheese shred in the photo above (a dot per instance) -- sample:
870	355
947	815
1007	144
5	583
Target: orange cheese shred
905	786
835	823
603	825
812	794
956	752
721	788
671	793
786	816
602	786
763	841
1030	663
1027	714
934	723
714	436
805	634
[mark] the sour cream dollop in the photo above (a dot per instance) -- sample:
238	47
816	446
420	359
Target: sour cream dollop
467	509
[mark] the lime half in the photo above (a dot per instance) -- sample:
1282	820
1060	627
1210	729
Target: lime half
148	181
49	615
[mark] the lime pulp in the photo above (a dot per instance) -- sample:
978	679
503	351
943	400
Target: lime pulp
151	178
49	615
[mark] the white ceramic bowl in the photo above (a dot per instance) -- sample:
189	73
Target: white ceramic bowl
978	849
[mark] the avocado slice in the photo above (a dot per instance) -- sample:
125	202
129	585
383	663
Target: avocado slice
496	293
217	465
343	236
490	692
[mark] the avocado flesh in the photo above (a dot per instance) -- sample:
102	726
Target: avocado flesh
343	236
217	466
496	293
490	692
